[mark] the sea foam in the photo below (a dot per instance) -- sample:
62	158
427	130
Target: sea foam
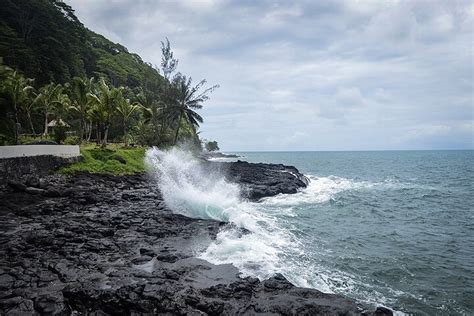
268	244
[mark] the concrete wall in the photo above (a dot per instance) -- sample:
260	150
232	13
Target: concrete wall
19	168
66	151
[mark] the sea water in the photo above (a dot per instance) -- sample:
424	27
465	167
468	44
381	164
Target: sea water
393	228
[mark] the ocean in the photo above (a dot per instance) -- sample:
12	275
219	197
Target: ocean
390	228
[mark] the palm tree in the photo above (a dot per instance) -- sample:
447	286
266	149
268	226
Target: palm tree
80	102
51	99
183	99
28	107
16	91
105	102
125	109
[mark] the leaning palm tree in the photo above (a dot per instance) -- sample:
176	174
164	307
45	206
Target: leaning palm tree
16	91
105	101
183	99
125	109
80	103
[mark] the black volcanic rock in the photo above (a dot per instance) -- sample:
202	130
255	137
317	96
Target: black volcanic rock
98	244
260	180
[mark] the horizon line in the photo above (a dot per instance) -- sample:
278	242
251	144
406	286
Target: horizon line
345	150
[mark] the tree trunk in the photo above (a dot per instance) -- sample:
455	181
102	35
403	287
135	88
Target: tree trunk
90	131
106	132
31	123
17	122
45	132
97	137
82	128
126	137
125	132
177	130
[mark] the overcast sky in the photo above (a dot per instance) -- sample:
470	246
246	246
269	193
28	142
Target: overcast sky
313	75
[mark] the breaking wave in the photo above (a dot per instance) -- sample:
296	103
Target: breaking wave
269	241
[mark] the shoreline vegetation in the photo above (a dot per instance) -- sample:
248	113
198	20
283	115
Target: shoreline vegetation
97	236
89	88
114	159
117	159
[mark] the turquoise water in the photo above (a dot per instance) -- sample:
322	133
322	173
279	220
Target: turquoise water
392	228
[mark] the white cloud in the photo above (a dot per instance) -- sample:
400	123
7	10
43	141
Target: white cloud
342	74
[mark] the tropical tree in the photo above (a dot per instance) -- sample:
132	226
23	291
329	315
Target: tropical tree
80	102
28	108
212	146
15	91
168	62
183	99
153	122
52	100
105	101
125	109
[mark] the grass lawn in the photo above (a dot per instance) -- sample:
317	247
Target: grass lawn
109	160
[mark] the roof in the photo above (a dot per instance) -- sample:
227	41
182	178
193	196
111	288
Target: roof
55	123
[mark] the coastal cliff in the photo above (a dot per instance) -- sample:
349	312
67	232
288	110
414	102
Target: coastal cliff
91	243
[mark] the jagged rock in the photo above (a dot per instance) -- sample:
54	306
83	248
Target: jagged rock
261	179
17	306
129	254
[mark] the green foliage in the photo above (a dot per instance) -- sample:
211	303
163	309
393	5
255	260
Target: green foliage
46	41
59	134
183	99
101	160
15	94
168	62
26	139
212	146
51	100
80	89
105	102
71	140
128	102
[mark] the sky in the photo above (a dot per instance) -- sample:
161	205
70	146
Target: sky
313	75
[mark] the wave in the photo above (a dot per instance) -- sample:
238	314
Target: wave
188	188
224	159
269	243
198	192
324	189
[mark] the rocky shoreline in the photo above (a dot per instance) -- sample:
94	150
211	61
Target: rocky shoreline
100	244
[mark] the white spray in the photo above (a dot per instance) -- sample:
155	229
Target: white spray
190	189
195	191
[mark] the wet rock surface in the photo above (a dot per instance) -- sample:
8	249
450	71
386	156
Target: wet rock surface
98	244
260	180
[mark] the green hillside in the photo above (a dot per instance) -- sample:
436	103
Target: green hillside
46	41
58	79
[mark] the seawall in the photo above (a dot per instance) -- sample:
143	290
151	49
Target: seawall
17	162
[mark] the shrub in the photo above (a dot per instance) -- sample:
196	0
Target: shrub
112	160
59	134
71	140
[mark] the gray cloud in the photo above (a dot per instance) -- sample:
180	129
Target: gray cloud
313	75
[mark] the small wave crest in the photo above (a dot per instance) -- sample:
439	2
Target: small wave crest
323	189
